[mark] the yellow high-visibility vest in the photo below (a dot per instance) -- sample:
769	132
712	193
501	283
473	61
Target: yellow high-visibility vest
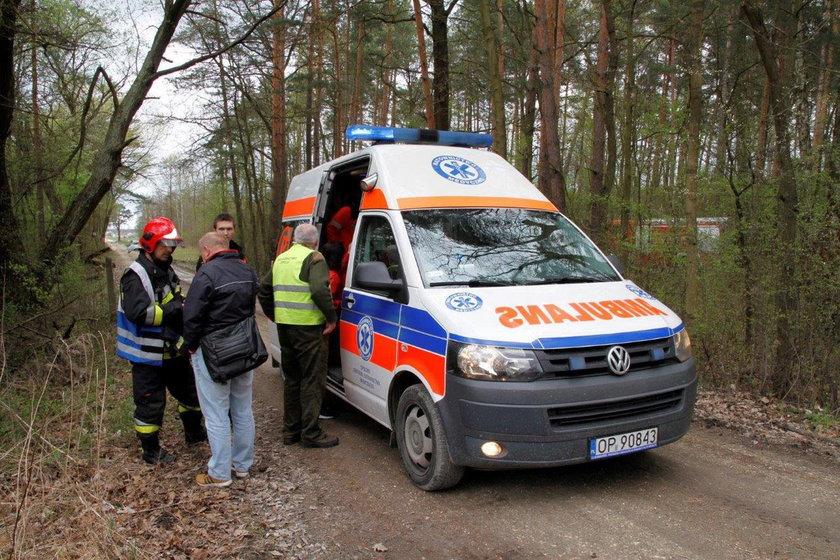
293	303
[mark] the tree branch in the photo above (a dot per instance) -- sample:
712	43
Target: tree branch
214	54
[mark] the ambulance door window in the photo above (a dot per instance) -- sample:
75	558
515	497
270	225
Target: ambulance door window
376	242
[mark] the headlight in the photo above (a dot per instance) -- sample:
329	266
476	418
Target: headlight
494	364
682	344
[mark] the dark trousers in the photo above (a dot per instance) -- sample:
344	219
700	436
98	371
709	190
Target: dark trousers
150	384
304	361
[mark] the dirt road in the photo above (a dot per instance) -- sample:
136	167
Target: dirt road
713	495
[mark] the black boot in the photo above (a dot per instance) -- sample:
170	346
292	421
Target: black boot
193	430
153	453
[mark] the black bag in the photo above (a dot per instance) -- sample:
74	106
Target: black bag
233	350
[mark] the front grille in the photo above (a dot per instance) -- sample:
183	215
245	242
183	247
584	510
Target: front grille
563	416
564	363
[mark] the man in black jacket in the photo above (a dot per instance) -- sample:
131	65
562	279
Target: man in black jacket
223	293
149	327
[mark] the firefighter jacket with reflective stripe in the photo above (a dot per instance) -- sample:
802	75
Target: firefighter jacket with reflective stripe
301	286
147	328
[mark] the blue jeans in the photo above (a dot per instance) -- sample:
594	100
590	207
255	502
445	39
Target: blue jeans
221	404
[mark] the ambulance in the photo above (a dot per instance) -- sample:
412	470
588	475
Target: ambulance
477	322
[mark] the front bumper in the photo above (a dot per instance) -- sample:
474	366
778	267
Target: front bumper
550	422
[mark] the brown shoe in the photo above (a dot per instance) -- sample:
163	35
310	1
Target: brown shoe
322	442
291	440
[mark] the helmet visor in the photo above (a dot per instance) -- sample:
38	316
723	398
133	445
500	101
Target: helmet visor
172	242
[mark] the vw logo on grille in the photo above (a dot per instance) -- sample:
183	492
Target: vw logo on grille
618	358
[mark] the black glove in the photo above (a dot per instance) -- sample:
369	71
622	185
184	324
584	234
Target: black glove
173	310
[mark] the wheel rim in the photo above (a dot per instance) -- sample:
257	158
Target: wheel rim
418	437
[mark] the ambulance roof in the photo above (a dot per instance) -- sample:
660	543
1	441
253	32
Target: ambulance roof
414	176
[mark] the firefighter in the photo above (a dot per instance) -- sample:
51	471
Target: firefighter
149	328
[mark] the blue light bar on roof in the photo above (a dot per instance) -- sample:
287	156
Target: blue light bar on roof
419	136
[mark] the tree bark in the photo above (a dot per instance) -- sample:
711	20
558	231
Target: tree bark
11	249
602	92
529	117
278	117
428	102
761	134
824	83
628	131
440	57
549	41
493	46
318	39
692	153
787	203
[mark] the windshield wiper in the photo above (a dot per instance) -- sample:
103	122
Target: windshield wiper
568	280
474	283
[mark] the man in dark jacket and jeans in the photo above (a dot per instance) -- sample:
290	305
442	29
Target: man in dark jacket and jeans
223	293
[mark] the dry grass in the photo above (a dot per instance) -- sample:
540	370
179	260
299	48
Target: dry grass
72	484
57	438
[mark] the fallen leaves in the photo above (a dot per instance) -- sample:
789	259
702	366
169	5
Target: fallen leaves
765	420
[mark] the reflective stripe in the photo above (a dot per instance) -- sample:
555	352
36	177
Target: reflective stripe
144	279
146	429
140	343
158	318
185	408
139	356
139	340
294	305
151	312
292	288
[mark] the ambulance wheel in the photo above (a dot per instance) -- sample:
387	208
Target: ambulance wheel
422	442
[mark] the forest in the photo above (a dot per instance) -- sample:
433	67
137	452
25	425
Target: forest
697	140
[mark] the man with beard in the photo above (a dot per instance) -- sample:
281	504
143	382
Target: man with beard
149	328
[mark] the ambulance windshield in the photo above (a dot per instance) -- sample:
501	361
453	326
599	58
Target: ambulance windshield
502	247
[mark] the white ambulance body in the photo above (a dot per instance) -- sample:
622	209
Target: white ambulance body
482	326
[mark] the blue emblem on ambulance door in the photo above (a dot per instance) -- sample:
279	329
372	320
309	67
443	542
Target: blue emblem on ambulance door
458	170
364	338
638	291
463	301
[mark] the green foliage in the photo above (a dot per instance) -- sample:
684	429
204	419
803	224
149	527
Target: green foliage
822	419
368	59
186	256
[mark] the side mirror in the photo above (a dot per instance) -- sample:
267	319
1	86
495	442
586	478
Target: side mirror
374	276
616	262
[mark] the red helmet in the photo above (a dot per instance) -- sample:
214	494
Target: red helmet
160	230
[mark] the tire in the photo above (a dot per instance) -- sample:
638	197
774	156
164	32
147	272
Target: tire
421	440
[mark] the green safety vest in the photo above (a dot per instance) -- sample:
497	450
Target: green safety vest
293	303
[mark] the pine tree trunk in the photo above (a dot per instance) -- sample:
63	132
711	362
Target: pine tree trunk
492	45
428	102
824	83
787	202
549	38
601	92
695	115
628	130
440	56
278	118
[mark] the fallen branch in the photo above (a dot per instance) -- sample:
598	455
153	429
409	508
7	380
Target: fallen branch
95	254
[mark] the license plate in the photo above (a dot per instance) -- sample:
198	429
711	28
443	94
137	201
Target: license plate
620	444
